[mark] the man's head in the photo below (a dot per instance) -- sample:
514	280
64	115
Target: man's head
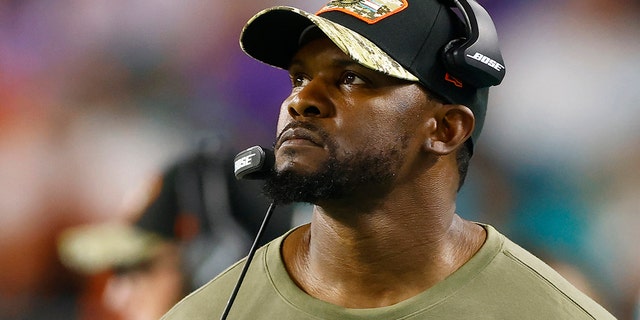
422	42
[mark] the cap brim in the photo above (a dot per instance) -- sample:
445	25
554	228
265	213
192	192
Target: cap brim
95	248
272	36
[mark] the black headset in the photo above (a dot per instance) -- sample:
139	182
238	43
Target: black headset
475	58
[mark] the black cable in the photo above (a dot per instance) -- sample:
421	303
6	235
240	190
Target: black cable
252	252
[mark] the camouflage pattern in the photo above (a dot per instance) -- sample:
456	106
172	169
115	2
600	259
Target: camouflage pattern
359	48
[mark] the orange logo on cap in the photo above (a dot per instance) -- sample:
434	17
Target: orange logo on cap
453	80
369	11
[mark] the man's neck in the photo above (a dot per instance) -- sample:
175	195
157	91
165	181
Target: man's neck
378	259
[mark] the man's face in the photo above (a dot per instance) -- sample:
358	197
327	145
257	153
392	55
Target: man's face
345	130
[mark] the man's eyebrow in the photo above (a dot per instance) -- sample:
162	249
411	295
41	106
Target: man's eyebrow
346	63
295	63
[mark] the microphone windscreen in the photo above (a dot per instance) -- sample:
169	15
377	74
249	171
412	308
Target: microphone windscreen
255	163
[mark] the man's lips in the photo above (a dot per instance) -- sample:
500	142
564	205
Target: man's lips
299	136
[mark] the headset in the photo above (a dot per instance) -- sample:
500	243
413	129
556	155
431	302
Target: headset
476	57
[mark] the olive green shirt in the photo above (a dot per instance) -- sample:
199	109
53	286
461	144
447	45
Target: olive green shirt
501	281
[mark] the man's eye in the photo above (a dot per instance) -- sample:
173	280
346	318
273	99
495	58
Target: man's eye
298	80
352	78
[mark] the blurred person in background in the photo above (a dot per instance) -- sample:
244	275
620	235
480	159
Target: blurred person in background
199	221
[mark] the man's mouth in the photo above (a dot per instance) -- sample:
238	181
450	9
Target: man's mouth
299	133
298	136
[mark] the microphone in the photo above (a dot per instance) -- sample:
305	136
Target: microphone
254	163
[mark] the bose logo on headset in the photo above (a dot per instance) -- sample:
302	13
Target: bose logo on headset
254	163
243	162
475	58
486	60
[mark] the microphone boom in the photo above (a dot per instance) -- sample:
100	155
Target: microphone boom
254	163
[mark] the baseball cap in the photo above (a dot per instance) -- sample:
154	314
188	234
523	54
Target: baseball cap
401	38
97	247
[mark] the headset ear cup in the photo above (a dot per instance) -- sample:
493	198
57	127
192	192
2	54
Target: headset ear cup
448	54
475	58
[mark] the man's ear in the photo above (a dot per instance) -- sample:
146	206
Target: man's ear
451	126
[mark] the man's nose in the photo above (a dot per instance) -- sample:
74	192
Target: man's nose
311	101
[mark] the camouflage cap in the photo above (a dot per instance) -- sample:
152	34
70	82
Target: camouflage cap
356	46
401	38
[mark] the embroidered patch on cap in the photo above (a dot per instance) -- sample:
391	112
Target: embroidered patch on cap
370	11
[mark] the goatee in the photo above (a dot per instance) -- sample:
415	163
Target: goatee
336	179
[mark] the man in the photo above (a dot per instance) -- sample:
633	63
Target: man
377	133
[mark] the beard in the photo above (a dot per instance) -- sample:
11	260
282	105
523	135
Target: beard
337	179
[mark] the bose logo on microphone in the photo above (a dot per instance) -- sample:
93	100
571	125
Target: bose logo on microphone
243	162
254	163
486	60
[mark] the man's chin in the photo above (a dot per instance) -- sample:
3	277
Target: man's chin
292	169
301	161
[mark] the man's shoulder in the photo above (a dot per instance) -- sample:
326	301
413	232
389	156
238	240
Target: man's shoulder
520	276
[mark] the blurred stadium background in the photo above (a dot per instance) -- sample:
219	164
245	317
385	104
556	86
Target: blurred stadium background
97	96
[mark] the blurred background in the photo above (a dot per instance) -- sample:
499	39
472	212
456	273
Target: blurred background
98	97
